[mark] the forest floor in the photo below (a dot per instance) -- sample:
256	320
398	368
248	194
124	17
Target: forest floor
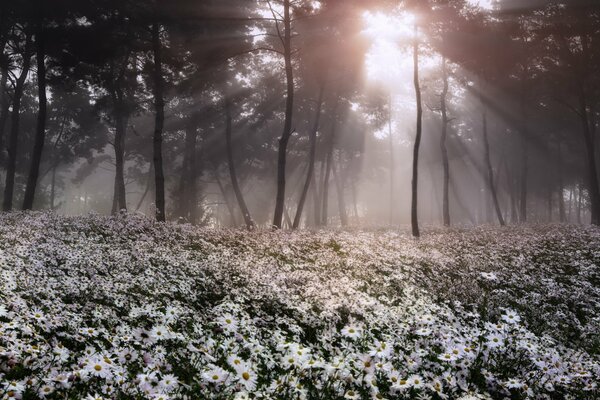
121	307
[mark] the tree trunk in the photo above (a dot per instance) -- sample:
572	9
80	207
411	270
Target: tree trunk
318	195
444	148
339	185
190	196
392	161
40	135
523	180
53	188
9	186
289	109
490	171
415	173
579	203
159	106
311	158
232	173
4	99
593	188
329	161
225	197
119	198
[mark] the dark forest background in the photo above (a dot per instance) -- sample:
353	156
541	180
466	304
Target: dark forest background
260	113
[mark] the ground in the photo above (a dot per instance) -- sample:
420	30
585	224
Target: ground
125	308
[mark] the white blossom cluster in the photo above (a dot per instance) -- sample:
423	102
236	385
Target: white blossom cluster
124	308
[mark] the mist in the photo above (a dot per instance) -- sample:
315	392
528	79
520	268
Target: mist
140	102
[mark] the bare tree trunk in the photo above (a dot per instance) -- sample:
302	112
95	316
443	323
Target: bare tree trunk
232	173
9	186
523	182
225	197
159	106
4	99
569	215
119	199
443	145
339	184
4	70
148	183
40	135
318	195
561	196
289	109
392	161
191	173
490	171
593	187
579	203
415	173
325	190
311	158
53	188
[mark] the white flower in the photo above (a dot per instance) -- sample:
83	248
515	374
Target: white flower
514	384
228	322
97	366
494	340
511	317
352	331
215	375
246	376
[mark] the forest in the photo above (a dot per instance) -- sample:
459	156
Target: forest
299	199
242	113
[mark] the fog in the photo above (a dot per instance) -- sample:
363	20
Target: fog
303	114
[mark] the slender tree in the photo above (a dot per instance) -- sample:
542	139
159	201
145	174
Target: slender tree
159	106
414	219
286	38
40	135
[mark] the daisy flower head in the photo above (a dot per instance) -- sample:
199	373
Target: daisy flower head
215	375
246	376
511	317
228	322
352	331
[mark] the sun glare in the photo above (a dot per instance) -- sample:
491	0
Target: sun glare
388	61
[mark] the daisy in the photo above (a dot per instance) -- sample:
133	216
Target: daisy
352	331
511	317
246	376
215	375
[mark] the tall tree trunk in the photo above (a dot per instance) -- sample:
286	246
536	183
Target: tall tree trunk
523	180
190	171
444	148
311	158
119	198
40	135
53	188
328	163
318	195
4	99
289	109
561	196
579	203
159	106
339	185
9	186
228	204
392	161
4	71
593	187
146	190
232	173
490	171
415	173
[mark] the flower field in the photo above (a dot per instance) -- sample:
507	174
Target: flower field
124	308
